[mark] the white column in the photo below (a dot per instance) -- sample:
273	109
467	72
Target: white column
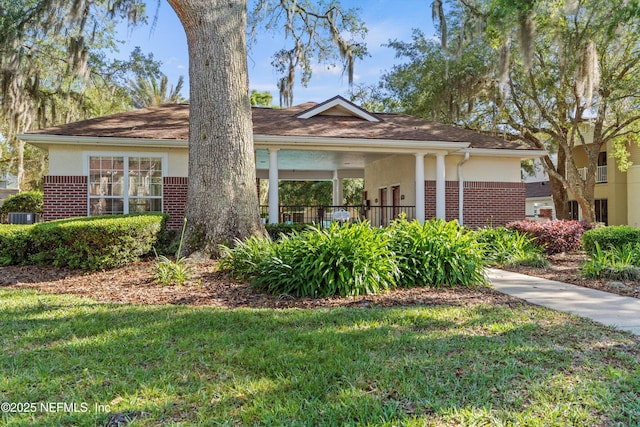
440	187
420	187
274	208
337	189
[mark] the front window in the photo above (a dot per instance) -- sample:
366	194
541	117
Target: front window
124	184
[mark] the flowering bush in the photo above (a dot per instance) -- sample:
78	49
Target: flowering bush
553	236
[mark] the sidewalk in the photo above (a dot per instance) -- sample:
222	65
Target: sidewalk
604	307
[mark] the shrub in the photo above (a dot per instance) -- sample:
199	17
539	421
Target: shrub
553	236
609	237
15	243
96	242
27	201
617	263
347	260
241	261
506	247
436	253
169	272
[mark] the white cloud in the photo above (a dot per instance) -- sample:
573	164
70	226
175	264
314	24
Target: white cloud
261	86
326	69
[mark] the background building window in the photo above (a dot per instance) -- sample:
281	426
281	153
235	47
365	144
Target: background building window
574	212
601	208
123	184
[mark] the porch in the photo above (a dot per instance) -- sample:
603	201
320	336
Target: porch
324	215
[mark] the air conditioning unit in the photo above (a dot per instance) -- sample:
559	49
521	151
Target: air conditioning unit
22	217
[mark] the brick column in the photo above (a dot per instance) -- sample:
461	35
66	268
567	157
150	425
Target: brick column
174	195
65	197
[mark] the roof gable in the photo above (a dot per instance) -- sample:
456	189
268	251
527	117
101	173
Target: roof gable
337	106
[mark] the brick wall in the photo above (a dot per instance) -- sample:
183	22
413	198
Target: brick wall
174	193
485	203
65	197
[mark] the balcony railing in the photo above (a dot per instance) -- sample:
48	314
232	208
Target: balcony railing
601	174
324	215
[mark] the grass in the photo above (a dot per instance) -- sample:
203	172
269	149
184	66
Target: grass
441	365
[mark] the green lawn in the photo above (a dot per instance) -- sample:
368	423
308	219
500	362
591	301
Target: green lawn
444	365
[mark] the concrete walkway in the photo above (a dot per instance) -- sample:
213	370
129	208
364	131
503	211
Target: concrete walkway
604	307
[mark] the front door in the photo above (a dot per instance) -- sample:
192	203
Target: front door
382	196
395	200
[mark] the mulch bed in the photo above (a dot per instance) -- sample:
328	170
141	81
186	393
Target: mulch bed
134	285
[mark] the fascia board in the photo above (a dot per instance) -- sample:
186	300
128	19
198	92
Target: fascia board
43	141
356	144
501	152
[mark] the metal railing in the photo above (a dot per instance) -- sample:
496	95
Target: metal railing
324	215
601	174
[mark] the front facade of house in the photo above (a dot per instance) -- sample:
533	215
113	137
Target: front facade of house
138	162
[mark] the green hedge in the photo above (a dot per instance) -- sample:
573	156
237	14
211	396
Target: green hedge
614	236
83	243
27	201
15	243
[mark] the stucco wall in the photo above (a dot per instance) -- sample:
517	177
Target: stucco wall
68	159
633	199
390	171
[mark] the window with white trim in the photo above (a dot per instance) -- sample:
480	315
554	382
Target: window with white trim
124	184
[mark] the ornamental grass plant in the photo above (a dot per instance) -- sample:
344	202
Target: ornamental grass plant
436	253
345	260
504	247
357	259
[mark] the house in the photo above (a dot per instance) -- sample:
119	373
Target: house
8	186
616	192
539	202
137	161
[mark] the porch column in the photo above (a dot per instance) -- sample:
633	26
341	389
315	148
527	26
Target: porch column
274	208
440	187
337	189
420	187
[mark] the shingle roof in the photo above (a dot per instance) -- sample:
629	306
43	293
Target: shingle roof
171	122
538	189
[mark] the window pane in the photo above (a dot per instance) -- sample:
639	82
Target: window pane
145	205
106	176
155	205
156	190
104	206
117	180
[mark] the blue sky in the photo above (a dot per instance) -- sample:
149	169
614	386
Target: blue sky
385	19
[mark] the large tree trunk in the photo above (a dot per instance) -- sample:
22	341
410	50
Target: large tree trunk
222	201
558	190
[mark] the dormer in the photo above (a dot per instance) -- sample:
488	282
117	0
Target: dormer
338	106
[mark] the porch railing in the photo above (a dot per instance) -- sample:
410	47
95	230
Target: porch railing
324	215
601	174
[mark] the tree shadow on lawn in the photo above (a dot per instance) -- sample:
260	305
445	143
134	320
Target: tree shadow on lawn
312	367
